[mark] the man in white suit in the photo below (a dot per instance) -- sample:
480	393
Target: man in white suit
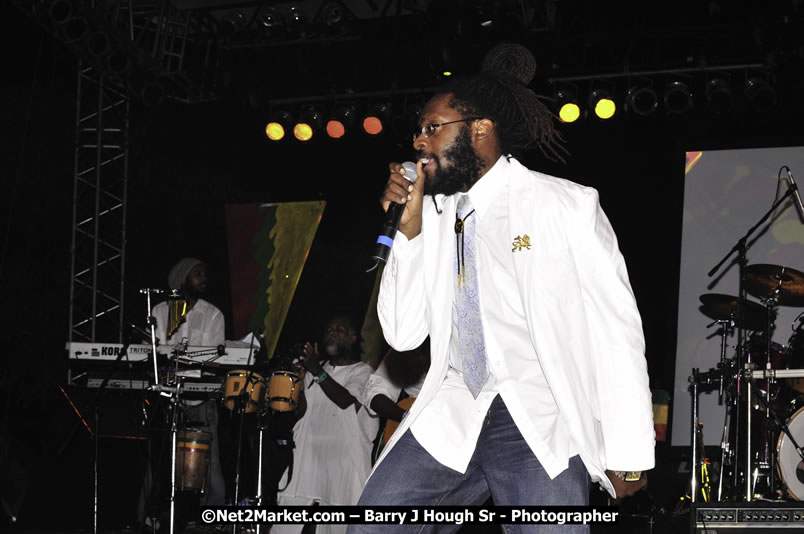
563	395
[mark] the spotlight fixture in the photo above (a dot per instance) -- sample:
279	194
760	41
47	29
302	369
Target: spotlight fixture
719	98
374	120
297	23
601	102
759	94
642	100
279	126
270	23
233	23
341	120
152	93
308	124
60	11
567	106
677	98
335	17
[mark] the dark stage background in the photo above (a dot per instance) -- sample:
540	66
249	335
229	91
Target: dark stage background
188	160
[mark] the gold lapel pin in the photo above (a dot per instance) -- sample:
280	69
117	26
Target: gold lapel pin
521	242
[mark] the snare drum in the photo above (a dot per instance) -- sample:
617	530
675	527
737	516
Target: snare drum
192	458
235	383
283	391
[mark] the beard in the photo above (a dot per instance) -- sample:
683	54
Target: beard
195	292
332	349
463	171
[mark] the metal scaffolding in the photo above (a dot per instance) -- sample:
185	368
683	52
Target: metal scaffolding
127	50
99	209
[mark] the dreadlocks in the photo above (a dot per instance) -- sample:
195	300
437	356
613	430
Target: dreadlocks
500	93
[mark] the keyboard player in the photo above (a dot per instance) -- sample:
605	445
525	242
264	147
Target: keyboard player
202	325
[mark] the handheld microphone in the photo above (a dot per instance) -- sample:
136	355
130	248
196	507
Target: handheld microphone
796	194
386	238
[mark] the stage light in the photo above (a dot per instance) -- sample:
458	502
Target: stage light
279	126
152	93
760	95
234	22
335	18
309	123
297	24
567	106
719	98
270	23
642	100
601	102
374	120
342	119
677	98
60	11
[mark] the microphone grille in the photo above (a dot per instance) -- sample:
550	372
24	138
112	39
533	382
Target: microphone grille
410	171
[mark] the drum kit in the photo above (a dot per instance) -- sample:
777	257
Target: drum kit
763	386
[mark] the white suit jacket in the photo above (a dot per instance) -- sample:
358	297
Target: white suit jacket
582	316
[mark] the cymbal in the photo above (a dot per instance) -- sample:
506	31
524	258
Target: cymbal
724	307
761	280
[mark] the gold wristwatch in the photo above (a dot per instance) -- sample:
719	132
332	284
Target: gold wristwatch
628	476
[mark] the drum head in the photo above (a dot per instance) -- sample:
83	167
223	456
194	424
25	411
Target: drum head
790	464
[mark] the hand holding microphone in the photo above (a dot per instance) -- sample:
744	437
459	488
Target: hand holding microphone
402	202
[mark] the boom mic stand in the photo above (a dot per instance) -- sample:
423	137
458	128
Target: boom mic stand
741	247
147	291
242	403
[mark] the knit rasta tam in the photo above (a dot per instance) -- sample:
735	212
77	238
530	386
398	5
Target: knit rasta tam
178	274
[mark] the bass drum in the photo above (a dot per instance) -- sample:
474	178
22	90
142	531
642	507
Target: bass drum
789	463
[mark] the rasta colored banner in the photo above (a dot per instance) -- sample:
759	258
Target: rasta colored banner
268	246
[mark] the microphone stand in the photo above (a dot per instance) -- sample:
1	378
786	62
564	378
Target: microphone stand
741	248
147	291
176	398
242	403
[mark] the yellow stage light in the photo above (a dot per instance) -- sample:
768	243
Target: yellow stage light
274	131
280	124
303	131
602	104
567	106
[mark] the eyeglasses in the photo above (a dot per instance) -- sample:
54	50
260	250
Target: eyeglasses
430	129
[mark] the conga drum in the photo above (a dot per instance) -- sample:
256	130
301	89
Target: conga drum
236	383
283	391
192	458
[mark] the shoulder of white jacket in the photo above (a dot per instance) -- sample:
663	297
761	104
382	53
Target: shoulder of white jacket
528	180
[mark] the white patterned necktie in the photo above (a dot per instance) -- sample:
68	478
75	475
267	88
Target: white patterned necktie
471	342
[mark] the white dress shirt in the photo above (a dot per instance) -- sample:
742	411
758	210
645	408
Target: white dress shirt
514	369
203	326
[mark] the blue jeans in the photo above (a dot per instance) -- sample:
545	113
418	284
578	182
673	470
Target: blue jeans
502	466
